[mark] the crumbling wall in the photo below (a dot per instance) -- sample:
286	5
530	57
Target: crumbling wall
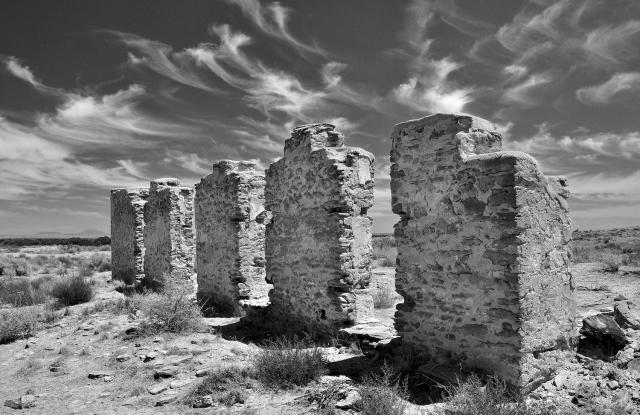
318	243
483	248
230	238
169	233
127	227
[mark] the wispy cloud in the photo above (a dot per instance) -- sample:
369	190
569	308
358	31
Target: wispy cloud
611	90
428	87
273	20
523	93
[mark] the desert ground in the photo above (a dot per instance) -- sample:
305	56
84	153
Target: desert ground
73	342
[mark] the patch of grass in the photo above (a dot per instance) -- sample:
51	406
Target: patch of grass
21	292
30	367
14	266
385	251
283	363
171	311
17	324
611	262
383	394
474	397
225	385
383	297
72	290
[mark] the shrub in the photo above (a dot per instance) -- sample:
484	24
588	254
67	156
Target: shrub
72	290
472	397
385	251
384	297
611	262
382	395
225	385
17	324
170	310
14	267
21	292
284	362
100	262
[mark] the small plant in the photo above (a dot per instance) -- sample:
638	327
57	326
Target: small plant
383	394
171	310
17	324
384	297
21	292
72	290
30	367
493	398
611	262
283	363
14	267
226	385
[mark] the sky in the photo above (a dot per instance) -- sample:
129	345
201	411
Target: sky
102	94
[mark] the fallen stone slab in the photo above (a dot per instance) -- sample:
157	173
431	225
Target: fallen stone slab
99	374
604	329
165	372
166	399
351	400
181	383
157	388
627	314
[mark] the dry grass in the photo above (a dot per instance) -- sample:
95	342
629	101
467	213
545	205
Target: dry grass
72	290
385	251
227	386
17	323
383	394
170	310
284	363
21	292
383	297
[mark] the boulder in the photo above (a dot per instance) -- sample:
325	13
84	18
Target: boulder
157	388
627	314
604	329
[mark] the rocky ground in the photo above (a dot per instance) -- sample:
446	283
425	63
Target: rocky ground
93	360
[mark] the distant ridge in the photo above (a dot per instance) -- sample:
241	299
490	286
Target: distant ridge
87	233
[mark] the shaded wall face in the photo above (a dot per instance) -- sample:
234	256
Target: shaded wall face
169	234
127	227
470	245
318	243
230	239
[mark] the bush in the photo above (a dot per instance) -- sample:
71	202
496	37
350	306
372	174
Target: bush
385	251
21	292
100	262
72	290
384	297
494	398
284	362
171	311
14	267
611	262
17	324
382	395
226	385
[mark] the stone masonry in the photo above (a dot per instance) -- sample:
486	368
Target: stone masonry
483	248
169	232
318	243
230	238
127	227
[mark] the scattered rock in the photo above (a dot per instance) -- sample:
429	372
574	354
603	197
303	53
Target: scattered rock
613	385
604	329
634	367
108	378
165	372
157	388
165	399
13	403
177	384
150	356
627	314
99	374
202	372
104	395
350	401
326	379
204	402
24	402
123	358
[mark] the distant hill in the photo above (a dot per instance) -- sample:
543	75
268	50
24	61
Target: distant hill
87	233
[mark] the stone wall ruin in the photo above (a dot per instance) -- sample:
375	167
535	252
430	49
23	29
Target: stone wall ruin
229	206
318	242
169	233
127	228
483	248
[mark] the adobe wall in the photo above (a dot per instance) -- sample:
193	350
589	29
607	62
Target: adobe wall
169	232
127	227
230	238
318	243
483	248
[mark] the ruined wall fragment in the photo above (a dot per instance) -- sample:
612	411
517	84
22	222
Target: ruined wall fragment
169	232
318	242
230	238
127	228
483	242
